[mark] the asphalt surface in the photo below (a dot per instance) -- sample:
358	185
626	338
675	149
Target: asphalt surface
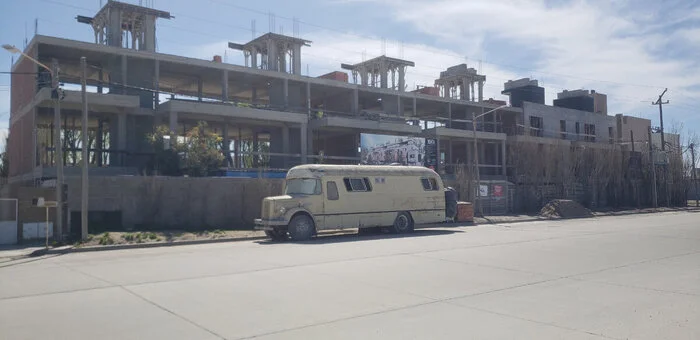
629	277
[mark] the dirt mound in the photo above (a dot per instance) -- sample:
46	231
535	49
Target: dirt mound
564	209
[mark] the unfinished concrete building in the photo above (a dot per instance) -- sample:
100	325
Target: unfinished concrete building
461	82
268	114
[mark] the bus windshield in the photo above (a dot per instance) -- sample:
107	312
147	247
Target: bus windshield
303	186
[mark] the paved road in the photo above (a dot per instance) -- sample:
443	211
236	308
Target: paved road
635	277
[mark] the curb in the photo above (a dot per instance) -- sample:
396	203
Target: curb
70	250
42	252
605	214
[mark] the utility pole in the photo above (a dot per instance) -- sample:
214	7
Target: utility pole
661	117
476	164
694	175
653	172
86	157
58	150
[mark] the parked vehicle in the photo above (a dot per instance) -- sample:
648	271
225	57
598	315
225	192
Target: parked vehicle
322	197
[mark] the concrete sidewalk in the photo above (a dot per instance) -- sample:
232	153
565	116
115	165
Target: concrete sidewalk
20	252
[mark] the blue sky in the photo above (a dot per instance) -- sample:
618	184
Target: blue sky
630	50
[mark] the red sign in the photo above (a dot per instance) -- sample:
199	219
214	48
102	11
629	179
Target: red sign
498	190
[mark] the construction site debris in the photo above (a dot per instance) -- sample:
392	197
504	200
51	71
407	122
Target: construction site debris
564	209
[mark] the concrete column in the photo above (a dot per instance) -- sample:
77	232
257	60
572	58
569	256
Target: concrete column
399	107
271	56
473	97
224	86
449	115
297	60
481	91
99	141
285	91
114	30
227	144
123	74
172	122
415	113
449	158
156	85
100	77
283	60
503	158
439	154
285	145
355	102
148	42
121	137
384	77
402	79
308	100
200	88
304	142
255	149
254	58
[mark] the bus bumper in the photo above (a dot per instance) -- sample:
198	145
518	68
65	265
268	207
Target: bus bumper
261	224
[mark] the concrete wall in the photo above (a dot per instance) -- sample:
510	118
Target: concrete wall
552	115
176	202
639	128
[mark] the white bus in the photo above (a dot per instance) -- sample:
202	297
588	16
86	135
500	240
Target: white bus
322	197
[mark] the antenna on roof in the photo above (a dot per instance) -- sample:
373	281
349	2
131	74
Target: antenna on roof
36	26
252	28
295	27
383	46
271	19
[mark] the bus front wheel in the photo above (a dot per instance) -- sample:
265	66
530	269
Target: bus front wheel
301	228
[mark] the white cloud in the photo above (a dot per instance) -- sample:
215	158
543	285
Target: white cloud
579	43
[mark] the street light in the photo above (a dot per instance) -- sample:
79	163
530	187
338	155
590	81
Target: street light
476	155
57	134
15	50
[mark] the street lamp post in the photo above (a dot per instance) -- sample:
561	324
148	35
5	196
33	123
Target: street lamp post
58	147
476	155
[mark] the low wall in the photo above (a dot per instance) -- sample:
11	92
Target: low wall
174	202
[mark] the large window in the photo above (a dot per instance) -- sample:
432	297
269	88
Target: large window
589	131
562	128
357	184
303	186
536	125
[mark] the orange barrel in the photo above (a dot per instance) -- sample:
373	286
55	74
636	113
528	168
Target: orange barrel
465	212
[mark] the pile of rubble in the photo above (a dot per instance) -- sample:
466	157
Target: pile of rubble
564	209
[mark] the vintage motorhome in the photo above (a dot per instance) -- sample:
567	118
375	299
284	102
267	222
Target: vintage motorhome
322	197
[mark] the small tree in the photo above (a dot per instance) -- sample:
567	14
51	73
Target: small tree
5	161
196	155
201	152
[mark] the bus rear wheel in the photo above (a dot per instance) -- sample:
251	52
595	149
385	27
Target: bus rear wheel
403	223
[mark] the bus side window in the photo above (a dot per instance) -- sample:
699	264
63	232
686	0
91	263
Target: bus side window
332	191
434	184
429	184
426	183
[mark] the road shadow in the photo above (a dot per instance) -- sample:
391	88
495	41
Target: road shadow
355	237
